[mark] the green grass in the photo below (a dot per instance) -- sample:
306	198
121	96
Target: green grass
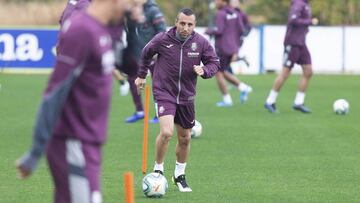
244	155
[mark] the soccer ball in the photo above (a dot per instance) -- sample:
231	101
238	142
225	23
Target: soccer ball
154	185
341	107
196	130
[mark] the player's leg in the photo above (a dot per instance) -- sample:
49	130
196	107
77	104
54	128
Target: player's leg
304	81
244	88
224	63
184	121
182	153
67	163
227	100
92	155
270	103
291	55
139	114
162	141
131	67
166	112
56	157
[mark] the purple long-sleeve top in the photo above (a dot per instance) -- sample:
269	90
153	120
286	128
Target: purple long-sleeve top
299	21
228	31
84	41
174	78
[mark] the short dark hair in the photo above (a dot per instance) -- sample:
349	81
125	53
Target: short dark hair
227	1
187	11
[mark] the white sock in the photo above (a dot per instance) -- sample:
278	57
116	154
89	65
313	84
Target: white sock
179	169
300	98
227	99
243	87
159	167
272	97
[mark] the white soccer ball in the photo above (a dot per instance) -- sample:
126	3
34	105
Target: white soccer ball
154	185
196	130
341	107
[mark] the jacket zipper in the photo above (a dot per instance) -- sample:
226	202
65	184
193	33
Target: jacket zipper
180	70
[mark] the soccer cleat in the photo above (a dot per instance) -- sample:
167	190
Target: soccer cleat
155	120
302	108
271	108
124	89
244	95
135	117
158	171
180	182
223	104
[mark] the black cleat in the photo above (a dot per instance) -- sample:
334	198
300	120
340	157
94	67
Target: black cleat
271	108
180	182
158	171
302	108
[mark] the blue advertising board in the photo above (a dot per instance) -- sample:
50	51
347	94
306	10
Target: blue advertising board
27	48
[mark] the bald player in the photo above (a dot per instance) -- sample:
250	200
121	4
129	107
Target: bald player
180	52
72	120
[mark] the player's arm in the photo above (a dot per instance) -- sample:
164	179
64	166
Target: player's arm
158	20
247	24
218	30
72	54
295	16
210	60
149	51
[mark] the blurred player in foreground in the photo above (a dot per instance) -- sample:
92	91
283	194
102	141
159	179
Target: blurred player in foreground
228	31
180	52
142	24
75	6
71	125
295	52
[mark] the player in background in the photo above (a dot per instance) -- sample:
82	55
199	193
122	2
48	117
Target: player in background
142	24
295	52
72	121
247	28
180	52
228	31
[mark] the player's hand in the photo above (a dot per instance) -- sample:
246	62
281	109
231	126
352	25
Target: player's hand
140	84
199	70
315	21
22	172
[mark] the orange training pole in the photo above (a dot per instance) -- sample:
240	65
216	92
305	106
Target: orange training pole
129	187
146	128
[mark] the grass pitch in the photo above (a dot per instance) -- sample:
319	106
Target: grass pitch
244	155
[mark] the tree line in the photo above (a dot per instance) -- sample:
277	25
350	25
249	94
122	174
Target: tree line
329	12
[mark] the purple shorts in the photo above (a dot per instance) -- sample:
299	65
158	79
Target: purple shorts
184	115
225	62
296	54
75	168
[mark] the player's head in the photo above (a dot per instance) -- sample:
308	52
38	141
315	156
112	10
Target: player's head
185	22
221	3
111	11
140	2
118	9
235	3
